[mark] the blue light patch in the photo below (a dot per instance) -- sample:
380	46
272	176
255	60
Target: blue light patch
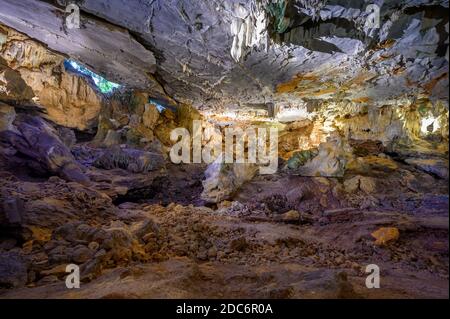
103	85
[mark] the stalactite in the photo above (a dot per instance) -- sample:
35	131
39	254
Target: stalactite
313	7
249	29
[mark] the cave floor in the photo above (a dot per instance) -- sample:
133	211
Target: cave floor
179	248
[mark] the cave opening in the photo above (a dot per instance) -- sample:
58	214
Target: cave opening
100	82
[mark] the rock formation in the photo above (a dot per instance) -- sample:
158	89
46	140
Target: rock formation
68	99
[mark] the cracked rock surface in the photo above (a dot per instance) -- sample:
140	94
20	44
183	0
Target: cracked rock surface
327	52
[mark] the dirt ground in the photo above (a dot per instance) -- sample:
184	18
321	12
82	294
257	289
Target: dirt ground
254	246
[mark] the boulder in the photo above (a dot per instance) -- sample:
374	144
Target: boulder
386	235
35	139
133	160
331	161
351	185
291	216
367	184
223	180
363	183
301	158
13	270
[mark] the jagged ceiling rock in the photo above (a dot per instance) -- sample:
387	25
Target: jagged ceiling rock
317	49
108	49
66	98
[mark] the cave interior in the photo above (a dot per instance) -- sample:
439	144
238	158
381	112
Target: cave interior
348	101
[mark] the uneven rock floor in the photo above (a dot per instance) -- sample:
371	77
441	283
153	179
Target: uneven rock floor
151	243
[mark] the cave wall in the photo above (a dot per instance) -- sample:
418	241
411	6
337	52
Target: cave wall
67	99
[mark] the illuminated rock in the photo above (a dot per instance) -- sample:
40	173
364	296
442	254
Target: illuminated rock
386	235
223	180
331	160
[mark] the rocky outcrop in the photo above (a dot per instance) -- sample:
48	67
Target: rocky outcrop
13	270
435	166
331	161
92	44
29	210
128	117
67	98
12	87
223	180
135	161
7	117
33	142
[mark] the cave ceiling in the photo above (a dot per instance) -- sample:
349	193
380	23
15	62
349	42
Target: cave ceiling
293	52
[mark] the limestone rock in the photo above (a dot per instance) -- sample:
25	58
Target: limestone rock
150	116
133	160
82	254
352	185
127	118
301	158
94	43
386	235
37	140
362	71
186	114
363	183
223	180
12	86
438	167
72	101
13	270
58	271
331	160
69	99
162	132
367	184
7	116
291	216
40	207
